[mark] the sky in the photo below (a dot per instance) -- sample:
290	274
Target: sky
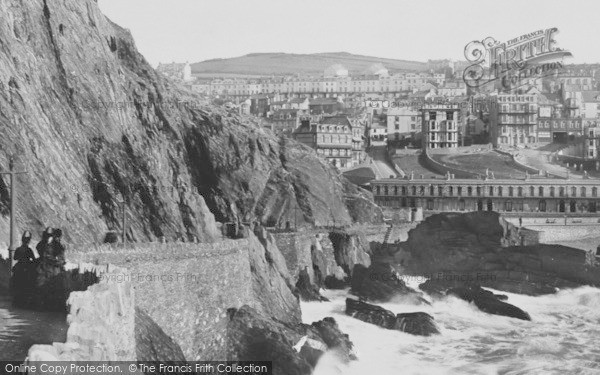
197	30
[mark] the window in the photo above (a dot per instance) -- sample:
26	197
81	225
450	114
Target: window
450	190
469	191
508	206
440	190
459	190
531	191
478	191
431	190
542	206
561	191
573	191
583	192
552	191
594	192
414	190
403	190
499	191
430	204
541	191
491	191
520	191
510	191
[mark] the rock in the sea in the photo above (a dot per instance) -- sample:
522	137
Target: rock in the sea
294	349
480	247
306	290
418	323
488	302
334	338
380	282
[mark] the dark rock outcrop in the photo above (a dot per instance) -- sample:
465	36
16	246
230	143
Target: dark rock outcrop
418	323
294	349
349	250
478	247
306	290
93	123
152	344
333	282
488	302
380	282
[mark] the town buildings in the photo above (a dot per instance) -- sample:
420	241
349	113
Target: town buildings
334	83
440	125
332	138
403	122
506	195
513	119
591	142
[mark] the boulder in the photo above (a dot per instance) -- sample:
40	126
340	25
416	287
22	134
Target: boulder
418	323
334	338
380	282
488	302
306	290
294	349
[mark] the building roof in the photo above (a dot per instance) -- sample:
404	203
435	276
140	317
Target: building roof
590	96
322	101
336	120
503	181
297	100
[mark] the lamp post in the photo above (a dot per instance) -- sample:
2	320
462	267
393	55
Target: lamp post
123	222
12	173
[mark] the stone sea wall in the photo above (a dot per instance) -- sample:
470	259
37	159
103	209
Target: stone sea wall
187	288
101	321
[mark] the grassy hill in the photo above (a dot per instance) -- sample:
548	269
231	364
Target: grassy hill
286	63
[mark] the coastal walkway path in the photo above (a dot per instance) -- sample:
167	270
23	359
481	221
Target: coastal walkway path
20	328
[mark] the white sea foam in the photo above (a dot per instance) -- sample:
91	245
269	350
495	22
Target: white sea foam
560	339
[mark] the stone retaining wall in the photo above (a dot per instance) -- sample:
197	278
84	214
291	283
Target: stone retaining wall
101	321
187	288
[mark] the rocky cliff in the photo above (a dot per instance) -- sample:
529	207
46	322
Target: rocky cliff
93	124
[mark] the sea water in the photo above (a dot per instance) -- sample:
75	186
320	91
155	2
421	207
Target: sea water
563	337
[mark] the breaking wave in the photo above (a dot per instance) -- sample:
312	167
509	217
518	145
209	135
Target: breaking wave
561	338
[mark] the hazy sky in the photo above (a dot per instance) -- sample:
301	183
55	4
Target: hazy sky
196	30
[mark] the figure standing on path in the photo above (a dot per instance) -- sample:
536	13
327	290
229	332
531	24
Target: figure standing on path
23	279
44	242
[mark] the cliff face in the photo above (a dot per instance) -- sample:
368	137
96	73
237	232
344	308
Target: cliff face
93	124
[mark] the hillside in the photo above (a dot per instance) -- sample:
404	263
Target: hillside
285	63
93	124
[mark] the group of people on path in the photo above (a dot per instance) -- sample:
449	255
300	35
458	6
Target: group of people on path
31	274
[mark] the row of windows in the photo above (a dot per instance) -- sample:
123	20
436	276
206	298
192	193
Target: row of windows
508	205
334	152
491	191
